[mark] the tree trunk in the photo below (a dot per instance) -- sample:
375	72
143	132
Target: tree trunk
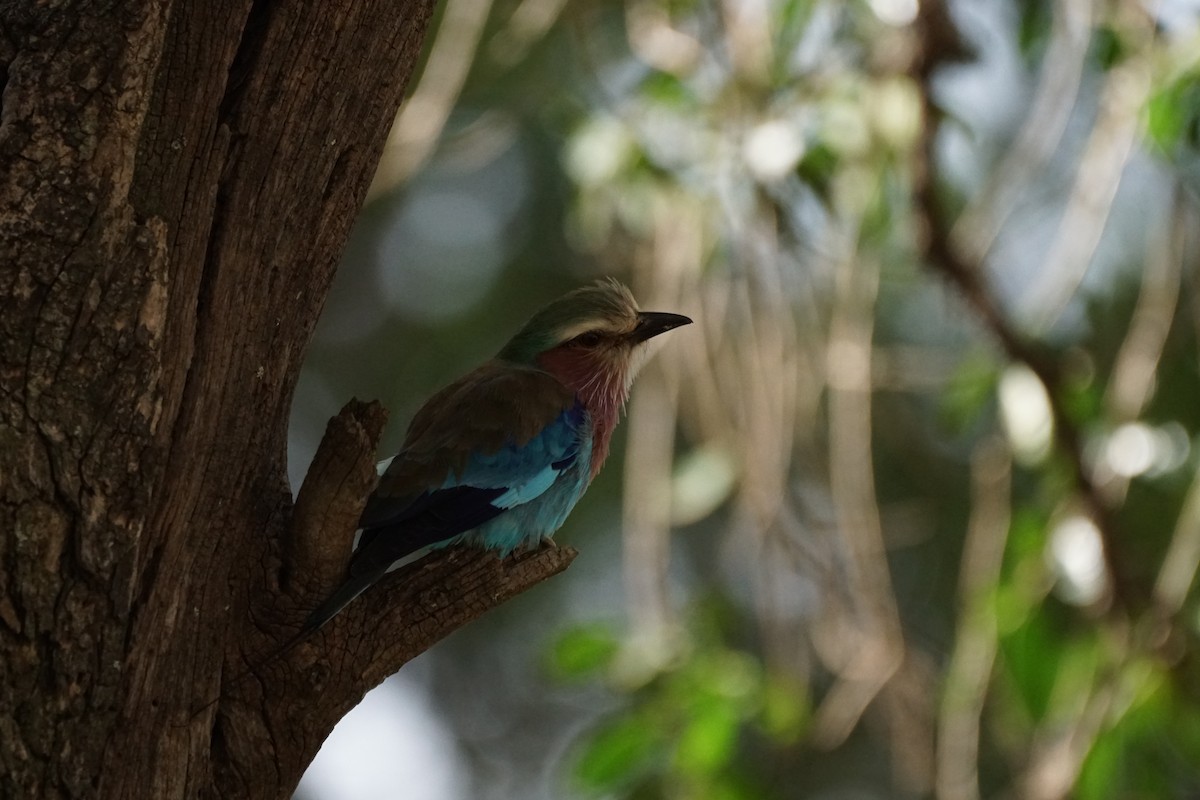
177	180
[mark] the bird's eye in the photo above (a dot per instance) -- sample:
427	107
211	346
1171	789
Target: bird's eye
589	339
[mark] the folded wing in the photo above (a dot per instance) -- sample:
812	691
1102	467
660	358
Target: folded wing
494	440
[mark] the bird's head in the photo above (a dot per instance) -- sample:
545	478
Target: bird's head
591	331
593	340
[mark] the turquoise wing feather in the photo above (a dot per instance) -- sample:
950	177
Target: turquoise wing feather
496	459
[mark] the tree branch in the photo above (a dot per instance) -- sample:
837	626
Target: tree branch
424	602
331	500
939	43
305	693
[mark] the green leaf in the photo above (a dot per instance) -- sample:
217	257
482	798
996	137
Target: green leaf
971	391
1101	769
582	651
1107	48
785	709
817	168
618	754
1031	655
667	90
1034	26
1173	115
708	741
1082	398
1026	541
1136	756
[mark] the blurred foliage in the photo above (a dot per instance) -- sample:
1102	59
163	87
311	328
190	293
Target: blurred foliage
1173	116
930	451
693	729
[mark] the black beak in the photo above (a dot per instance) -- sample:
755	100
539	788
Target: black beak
652	323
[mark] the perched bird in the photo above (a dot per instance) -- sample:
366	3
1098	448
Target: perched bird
499	458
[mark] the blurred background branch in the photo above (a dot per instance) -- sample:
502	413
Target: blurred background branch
969	671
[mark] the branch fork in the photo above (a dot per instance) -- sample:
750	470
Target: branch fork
308	690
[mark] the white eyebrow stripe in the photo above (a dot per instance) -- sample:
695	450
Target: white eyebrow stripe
596	324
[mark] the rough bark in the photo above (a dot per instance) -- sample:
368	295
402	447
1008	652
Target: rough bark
177	180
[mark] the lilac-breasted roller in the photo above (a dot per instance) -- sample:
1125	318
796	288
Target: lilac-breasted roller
499	458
